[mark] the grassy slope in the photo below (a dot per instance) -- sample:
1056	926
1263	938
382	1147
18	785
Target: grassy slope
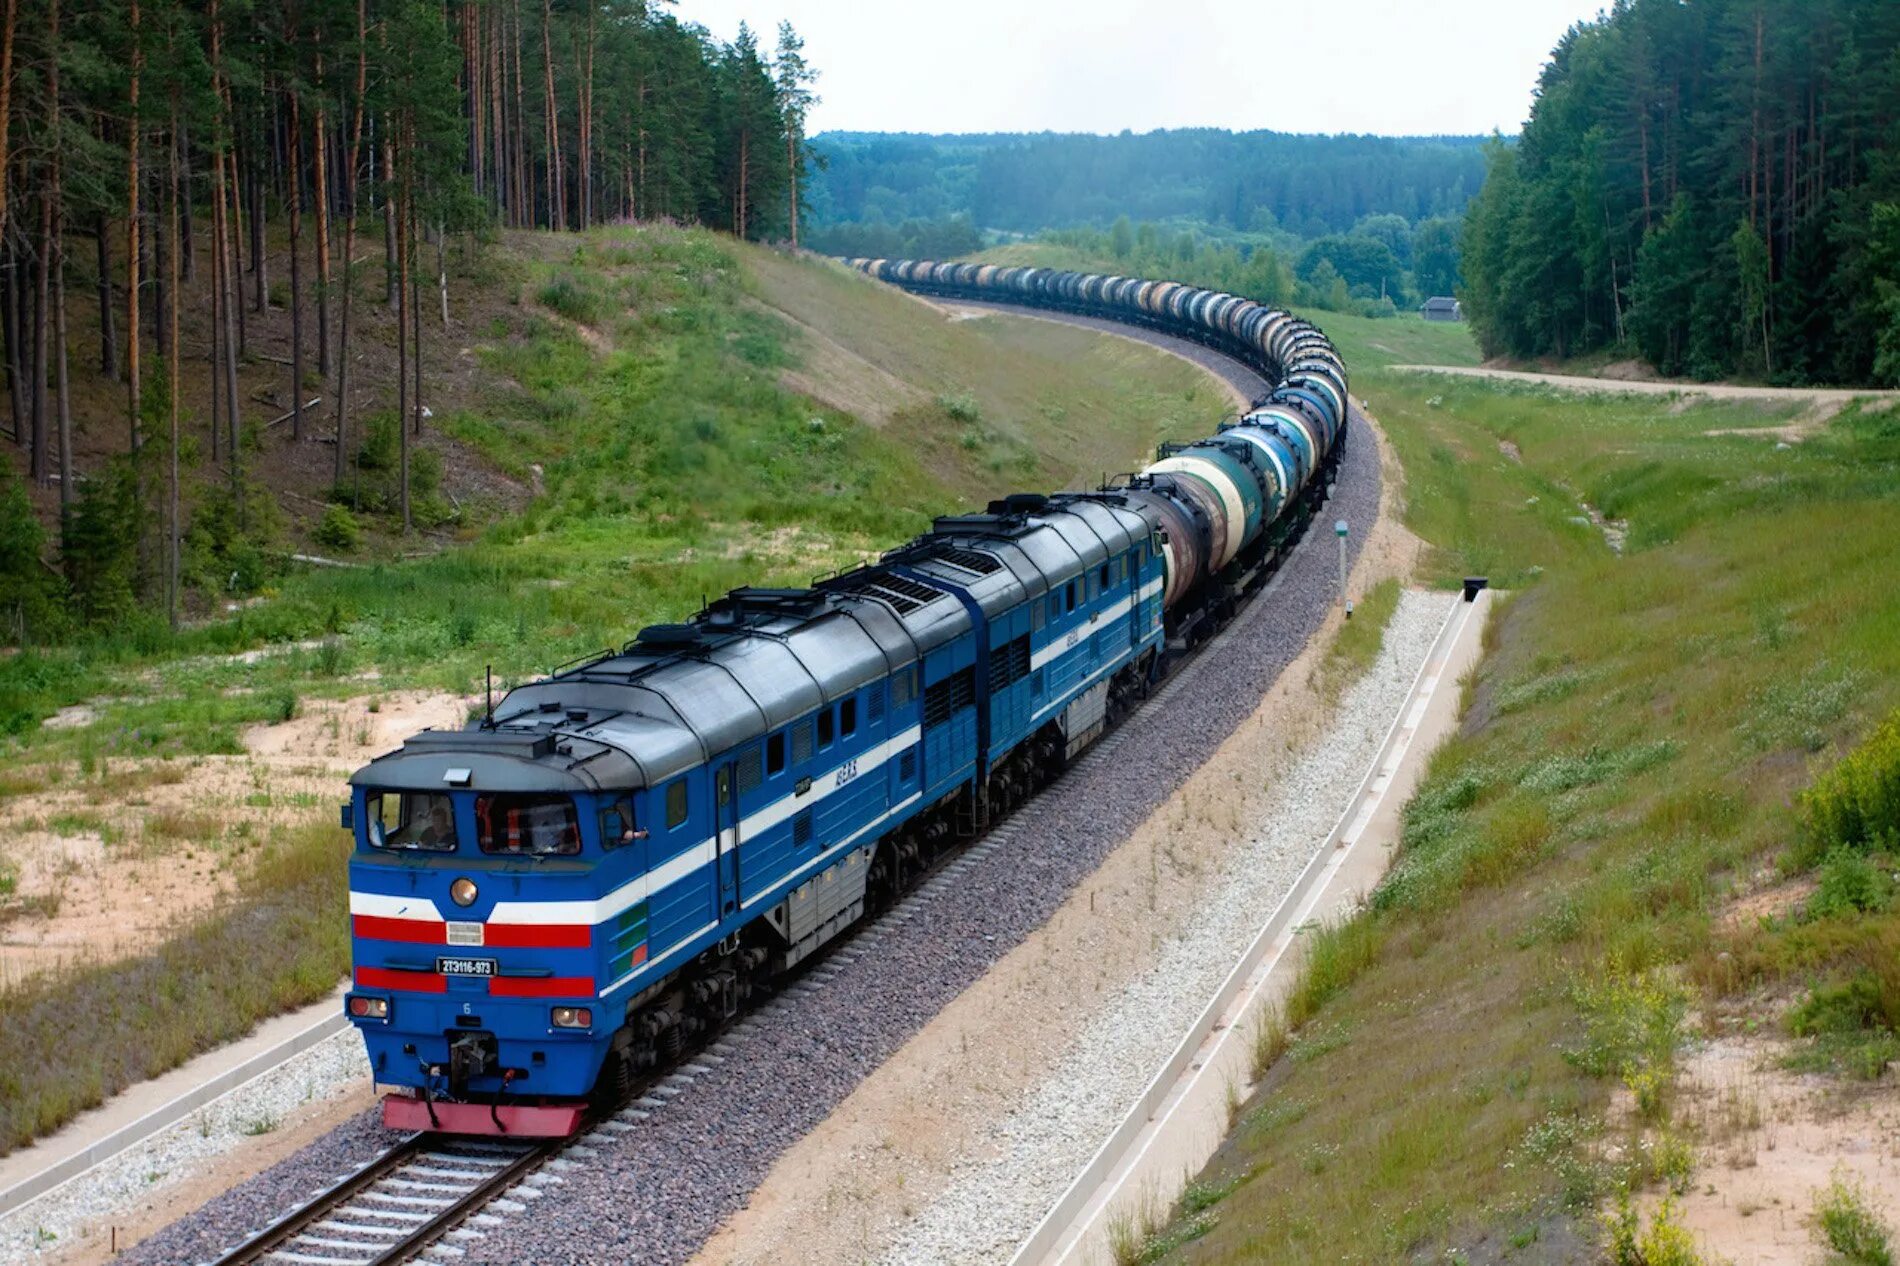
640	382
1628	763
673	464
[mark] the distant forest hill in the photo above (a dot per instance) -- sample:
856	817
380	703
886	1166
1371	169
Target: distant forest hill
1715	186
1305	186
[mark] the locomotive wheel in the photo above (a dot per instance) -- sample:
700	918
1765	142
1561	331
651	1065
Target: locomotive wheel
615	1086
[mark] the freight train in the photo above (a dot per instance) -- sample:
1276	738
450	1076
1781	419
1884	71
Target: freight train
604	867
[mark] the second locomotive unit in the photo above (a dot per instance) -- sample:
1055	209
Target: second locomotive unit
568	891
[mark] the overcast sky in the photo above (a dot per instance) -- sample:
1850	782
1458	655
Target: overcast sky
1383	66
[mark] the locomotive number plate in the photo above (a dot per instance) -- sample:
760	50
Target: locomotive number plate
465	966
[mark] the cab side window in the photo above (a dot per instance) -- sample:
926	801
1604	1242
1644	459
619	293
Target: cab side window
676	804
616	825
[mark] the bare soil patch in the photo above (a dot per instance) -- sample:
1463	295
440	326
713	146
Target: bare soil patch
108	865
1771	1140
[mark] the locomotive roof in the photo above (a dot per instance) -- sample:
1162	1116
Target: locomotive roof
755	660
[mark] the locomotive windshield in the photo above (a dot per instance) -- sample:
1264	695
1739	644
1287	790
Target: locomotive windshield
412	820
527	826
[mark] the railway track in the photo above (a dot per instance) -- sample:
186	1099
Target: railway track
397	1205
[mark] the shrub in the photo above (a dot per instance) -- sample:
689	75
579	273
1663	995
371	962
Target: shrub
382	442
1857	803
1850	884
1632	1025
1846	1226
338	530
281	704
961	406
1665	1242
571	299
1848	1006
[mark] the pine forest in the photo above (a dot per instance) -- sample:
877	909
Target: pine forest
194	187
1714	186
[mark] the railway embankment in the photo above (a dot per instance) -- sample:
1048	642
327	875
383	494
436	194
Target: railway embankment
1623	986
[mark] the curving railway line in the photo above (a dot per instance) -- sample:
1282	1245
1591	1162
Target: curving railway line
665	1169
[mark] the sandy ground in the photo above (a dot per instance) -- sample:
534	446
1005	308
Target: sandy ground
108	865
1770	1140
840	1192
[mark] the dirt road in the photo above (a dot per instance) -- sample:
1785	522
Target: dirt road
1836	396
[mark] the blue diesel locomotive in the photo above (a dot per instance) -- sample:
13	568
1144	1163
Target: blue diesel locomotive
565	893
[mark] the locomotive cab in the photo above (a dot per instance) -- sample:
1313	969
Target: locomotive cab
482	943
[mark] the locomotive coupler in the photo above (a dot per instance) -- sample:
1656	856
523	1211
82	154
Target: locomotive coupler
471	1055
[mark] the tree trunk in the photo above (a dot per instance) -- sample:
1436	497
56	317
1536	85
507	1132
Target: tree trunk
6	107
108	313
160	248
260	263
294	196
39	466
188	255
524	203
319	156
132	239
172	535
234	230
442	272
10	299
557	188
391	248
498	139
224	246
349	242
57	244
587	127
402	351
415	285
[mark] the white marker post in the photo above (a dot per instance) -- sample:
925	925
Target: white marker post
1339	530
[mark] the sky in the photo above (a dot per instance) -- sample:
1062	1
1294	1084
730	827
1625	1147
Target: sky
1391	67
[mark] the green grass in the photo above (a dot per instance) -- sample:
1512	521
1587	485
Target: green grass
1355	648
1632	755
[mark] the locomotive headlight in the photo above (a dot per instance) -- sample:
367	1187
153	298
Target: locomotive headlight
463	892
369	1008
573	1018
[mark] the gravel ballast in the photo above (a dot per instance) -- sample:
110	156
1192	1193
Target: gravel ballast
90	1201
657	1186
1029	1156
